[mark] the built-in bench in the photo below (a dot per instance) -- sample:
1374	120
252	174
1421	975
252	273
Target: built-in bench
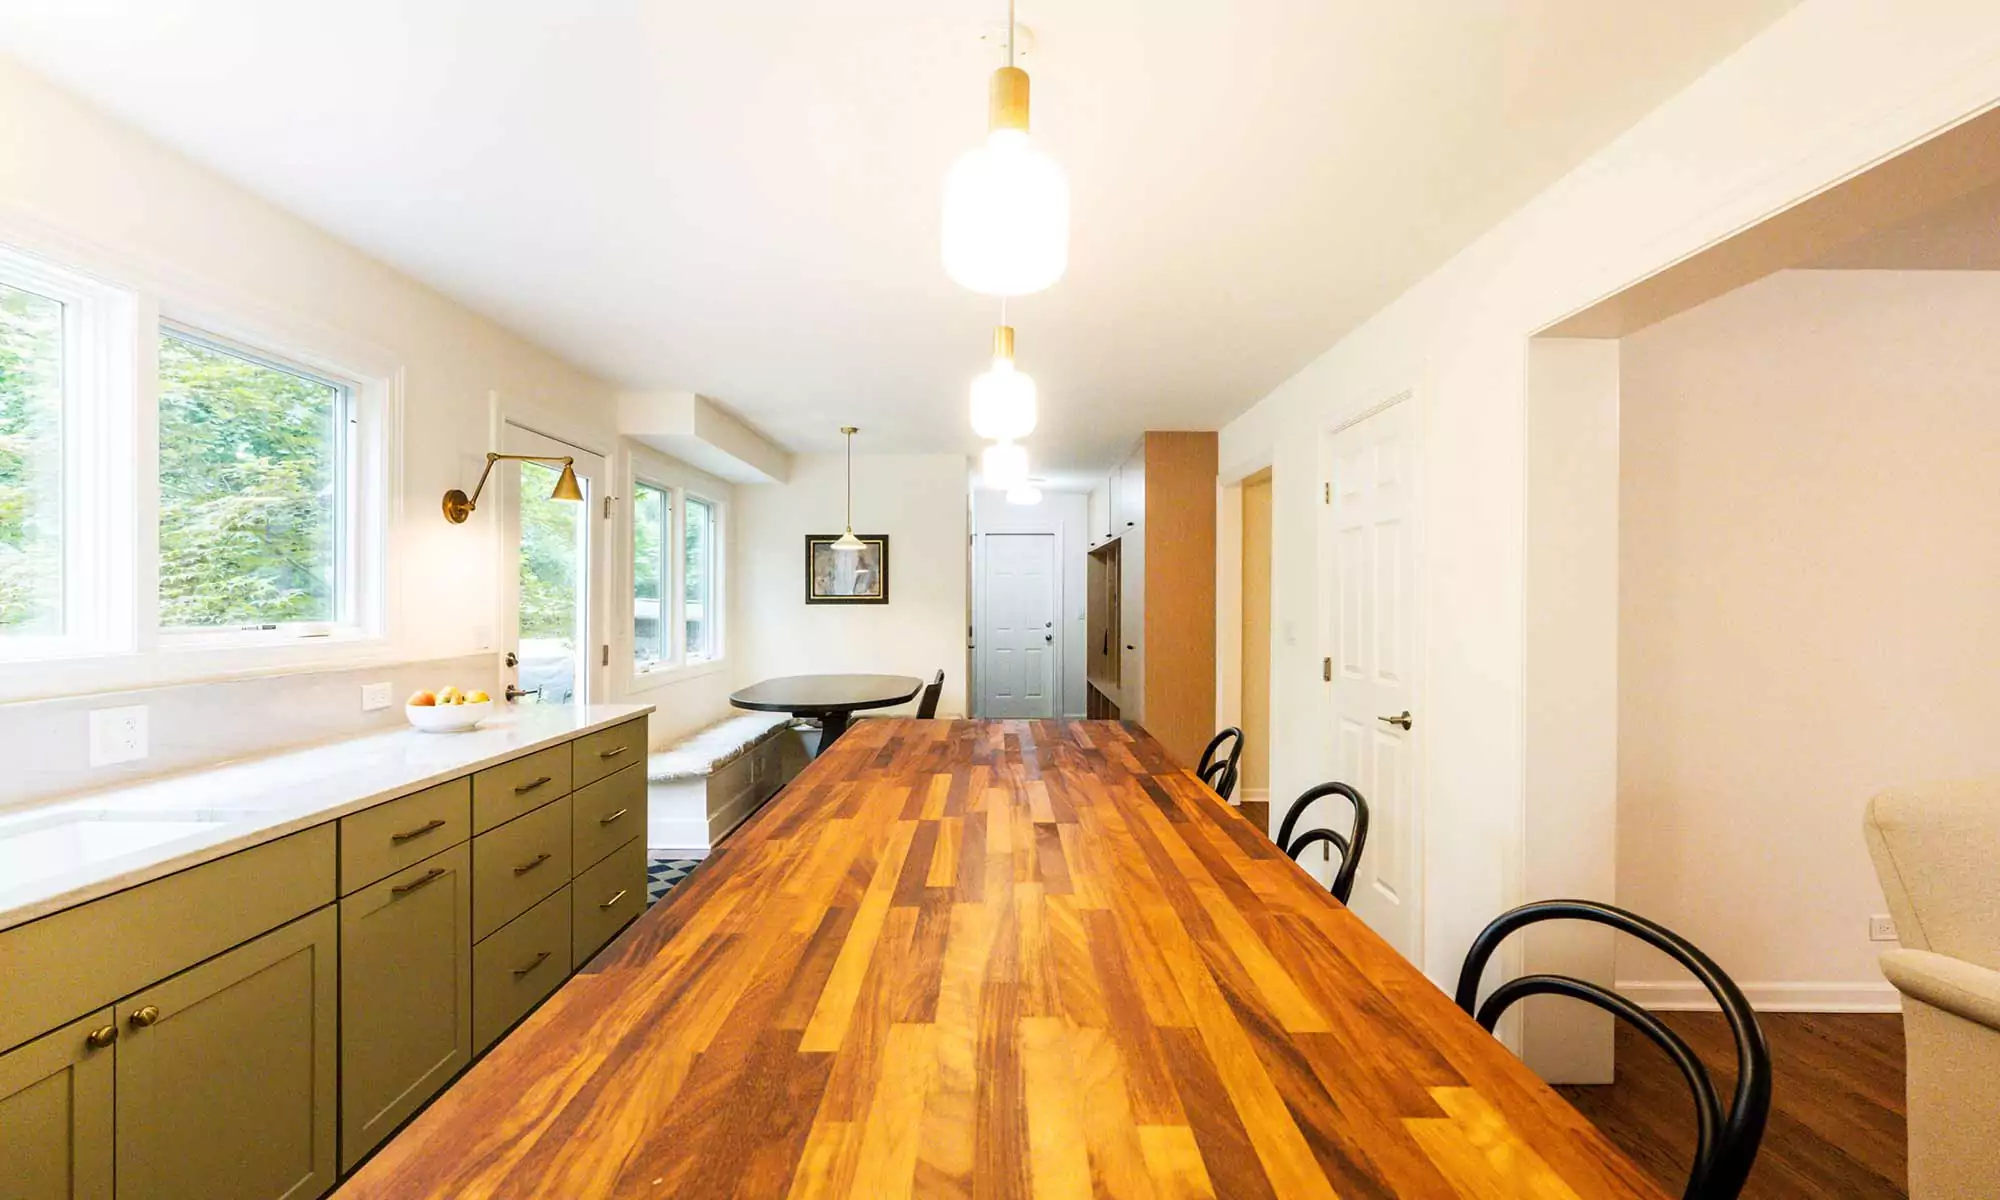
706	784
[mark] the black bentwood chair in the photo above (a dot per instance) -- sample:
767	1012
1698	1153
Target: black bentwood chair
928	702
1725	1146
1350	847
1217	769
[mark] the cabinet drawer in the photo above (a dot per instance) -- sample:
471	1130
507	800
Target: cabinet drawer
66	964
599	754
607	897
385	839
516	967
518	864
607	814
499	794
405	995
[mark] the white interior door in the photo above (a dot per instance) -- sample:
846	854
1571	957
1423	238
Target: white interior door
1370	547
550	572
1017	674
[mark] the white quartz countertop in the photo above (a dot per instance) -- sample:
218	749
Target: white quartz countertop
68	851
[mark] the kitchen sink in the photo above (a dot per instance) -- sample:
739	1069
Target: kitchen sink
37	845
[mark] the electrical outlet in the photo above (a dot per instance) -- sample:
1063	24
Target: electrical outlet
374	696
1882	928
117	735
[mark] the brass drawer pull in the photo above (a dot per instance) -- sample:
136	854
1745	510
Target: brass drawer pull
101	1037
418	832
615	899
539	960
613	753
531	785
613	817
145	1017
429	877
530	865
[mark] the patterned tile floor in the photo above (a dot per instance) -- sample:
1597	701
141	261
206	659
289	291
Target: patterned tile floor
663	873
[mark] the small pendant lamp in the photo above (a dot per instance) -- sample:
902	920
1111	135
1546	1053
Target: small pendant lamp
1003	398
847	542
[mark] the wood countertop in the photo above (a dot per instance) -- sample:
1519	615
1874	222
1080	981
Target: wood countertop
971	958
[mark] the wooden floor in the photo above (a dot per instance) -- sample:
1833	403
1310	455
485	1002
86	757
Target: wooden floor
1836	1125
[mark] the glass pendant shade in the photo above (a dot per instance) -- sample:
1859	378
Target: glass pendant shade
847	543
1003	399
1004	465
1027	493
1006	204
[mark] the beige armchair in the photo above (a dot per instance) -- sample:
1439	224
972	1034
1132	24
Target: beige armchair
1937	851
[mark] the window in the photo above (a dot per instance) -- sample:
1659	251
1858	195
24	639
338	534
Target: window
698	590
652	580
264	474
253	490
31	464
676	578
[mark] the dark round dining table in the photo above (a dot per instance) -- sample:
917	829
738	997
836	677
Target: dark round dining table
831	698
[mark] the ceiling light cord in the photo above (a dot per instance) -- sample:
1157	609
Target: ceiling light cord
1010	32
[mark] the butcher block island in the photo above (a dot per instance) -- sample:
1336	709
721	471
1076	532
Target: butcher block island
1007	959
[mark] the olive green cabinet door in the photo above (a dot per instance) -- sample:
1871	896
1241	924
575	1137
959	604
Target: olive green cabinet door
226	1072
405	995
55	1114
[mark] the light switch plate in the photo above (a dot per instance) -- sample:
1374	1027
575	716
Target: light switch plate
1882	928
374	696
117	735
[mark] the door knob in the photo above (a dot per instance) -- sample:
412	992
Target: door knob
1401	719
515	693
1048	637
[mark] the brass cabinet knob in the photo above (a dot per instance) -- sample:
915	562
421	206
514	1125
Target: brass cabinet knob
143	1017
101	1037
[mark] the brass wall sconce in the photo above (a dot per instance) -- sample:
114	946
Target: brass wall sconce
458	506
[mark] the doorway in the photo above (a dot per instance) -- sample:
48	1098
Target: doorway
1368	549
550	555
1018	672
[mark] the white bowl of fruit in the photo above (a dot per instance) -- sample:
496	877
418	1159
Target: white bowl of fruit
448	710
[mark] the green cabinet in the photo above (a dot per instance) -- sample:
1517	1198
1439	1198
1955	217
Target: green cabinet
226	1073
55	1114
405	995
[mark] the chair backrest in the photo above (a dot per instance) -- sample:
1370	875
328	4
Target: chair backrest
1935	849
928	702
1725	1146
1221	776
1350	847
1214	749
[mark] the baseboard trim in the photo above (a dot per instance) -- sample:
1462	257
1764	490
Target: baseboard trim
680	852
1676	996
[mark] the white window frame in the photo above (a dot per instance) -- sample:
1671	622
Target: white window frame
358	573
716	582
112	640
678	482
670	576
98	447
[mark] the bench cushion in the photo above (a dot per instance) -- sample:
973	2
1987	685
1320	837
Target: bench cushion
719	745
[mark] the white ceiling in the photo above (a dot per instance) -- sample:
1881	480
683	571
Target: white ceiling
741	198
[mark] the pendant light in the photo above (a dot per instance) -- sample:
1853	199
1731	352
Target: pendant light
1006	204
1003	466
847	543
1003	399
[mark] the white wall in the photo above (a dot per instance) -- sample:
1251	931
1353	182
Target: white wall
81	189
919	500
1828	89
1810	607
1064	514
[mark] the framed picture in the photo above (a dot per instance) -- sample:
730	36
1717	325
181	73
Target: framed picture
861	577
